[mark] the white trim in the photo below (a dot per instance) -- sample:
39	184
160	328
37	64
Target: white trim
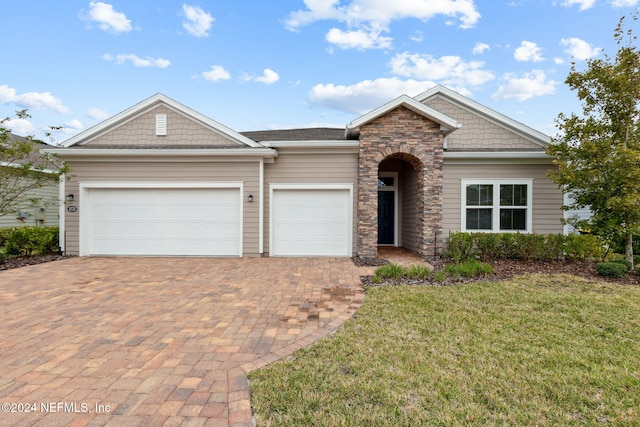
313	144
62	207
489	114
261	207
395	189
84	188
482	155
447	123
275	187
147	105
495	226
164	152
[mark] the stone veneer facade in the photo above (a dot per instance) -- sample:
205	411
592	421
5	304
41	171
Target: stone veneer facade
405	135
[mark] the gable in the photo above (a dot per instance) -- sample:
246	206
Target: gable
181	131
479	133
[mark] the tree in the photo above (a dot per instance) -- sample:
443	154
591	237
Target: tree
598	154
24	169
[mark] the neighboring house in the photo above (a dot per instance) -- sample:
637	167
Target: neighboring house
45	210
162	179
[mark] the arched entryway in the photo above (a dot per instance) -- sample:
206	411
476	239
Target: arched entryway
400	201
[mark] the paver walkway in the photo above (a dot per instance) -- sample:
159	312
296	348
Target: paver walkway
158	341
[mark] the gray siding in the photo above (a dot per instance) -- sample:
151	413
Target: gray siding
246	172
181	130
49	200
547	198
477	133
312	168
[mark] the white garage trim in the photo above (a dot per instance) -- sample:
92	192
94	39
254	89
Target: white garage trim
85	187
274	188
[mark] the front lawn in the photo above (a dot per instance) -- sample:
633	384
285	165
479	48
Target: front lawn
534	350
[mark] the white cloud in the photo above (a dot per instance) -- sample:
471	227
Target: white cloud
417	37
268	77
582	4
624	3
579	49
534	83
147	62
20	126
528	51
359	39
198	22
452	70
107	18
366	95
74	125
216	74
97	114
34	100
373	17
480	48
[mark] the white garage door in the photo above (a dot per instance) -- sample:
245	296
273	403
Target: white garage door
313	222
174	221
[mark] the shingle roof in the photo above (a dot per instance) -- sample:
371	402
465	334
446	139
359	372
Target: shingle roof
307	134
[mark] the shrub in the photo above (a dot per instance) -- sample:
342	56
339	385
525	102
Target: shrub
460	247
389	271
4	235
418	272
32	241
469	269
611	269
624	262
488	245
583	247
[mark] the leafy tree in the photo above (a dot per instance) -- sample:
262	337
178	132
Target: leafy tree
23	169
598	154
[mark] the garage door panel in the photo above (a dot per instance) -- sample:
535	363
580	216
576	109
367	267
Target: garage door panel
160	221
311	222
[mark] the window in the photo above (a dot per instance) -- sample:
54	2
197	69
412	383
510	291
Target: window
496	205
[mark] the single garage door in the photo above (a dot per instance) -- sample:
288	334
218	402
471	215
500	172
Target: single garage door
314	222
164	221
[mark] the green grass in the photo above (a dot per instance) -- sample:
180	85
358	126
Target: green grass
536	350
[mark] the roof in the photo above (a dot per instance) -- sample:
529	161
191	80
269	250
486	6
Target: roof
148	104
306	134
486	112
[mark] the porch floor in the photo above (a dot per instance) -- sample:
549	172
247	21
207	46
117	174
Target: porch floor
401	256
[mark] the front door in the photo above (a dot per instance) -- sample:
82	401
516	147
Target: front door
386	217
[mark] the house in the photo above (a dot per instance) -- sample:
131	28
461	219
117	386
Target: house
37	206
162	179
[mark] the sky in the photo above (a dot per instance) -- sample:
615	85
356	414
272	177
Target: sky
258	65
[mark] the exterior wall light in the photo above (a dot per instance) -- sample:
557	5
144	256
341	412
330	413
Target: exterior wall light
69	197
250	198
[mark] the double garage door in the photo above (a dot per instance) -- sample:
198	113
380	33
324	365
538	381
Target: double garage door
164	221
208	221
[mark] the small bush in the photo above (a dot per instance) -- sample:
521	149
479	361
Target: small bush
32	241
418	272
583	247
623	262
611	269
460	247
4	235
390	271
468	269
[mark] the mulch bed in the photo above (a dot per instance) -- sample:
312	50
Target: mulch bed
23	261
506	269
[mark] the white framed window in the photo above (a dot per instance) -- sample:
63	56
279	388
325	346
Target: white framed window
496	205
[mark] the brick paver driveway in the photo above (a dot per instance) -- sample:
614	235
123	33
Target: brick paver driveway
157	341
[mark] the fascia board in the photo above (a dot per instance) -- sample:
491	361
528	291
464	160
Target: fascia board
312	144
492	115
411	104
146	104
163	152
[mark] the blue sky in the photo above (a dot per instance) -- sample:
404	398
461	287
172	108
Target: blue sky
253	64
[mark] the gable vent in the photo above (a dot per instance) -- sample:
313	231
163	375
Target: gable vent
161	124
